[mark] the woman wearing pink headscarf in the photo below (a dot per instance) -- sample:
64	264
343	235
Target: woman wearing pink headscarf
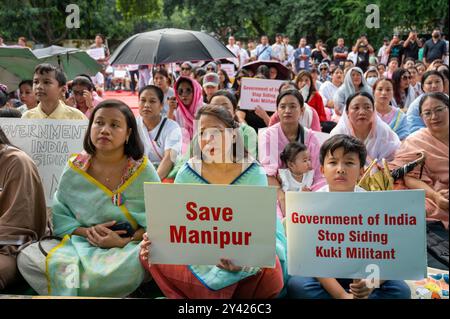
183	107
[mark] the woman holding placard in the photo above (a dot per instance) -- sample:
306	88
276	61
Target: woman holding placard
309	117
249	136
217	161
274	139
99	212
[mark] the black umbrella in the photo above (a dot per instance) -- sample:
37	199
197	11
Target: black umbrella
168	46
283	72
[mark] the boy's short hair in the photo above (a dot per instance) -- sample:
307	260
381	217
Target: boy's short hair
27	82
47	68
349	143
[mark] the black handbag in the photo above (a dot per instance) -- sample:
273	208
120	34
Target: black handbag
437	245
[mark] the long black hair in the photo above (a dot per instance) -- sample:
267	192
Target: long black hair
396	79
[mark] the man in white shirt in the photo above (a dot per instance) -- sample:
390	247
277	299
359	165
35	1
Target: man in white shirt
243	55
382	55
99	83
288	51
278	53
251	47
352	56
235	50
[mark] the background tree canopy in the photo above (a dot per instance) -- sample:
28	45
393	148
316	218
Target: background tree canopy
43	21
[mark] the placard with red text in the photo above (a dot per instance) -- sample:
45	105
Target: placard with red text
357	235
199	224
259	92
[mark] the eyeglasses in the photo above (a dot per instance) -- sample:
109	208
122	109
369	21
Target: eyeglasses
184	92
406	77
437	111
323	69
210	69
185	69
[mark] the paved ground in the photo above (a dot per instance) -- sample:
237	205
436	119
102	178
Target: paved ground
124	96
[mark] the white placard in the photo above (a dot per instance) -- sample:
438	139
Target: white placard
259	92
229	68
49	143
120	74
357	235
321	136
199	224
96	54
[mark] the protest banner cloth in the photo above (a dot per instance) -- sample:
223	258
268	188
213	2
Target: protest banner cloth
49	143
96	54
353	235
259	92
200	224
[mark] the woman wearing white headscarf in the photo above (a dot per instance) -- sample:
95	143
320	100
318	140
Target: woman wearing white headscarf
354	82
361	121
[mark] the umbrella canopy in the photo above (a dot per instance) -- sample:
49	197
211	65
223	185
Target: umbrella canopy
71	60
168	46
16	64
51	51
283	71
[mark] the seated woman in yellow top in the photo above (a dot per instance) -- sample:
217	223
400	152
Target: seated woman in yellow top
49	84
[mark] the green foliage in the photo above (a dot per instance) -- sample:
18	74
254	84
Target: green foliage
43	21
139	8
325	19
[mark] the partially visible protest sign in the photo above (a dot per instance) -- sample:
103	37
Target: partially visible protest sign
49	143
259	92
199	224
352	235
96	54
321	137
229	69
120	74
